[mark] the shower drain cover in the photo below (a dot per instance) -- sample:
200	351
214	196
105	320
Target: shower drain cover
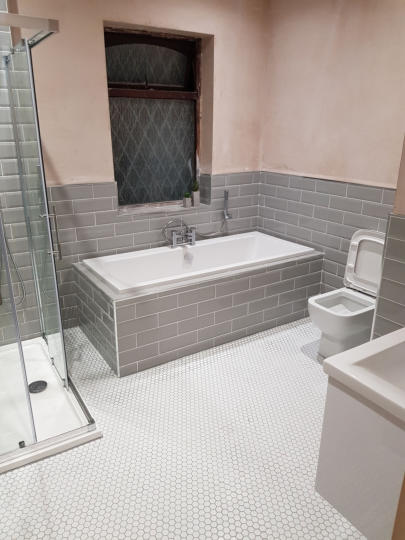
37	386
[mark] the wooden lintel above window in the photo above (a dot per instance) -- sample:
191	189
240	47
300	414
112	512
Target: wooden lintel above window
151	93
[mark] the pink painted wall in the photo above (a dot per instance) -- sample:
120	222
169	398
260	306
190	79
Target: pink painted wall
335	103
314	87
72	87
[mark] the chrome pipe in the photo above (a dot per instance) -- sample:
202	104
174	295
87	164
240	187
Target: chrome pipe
227	214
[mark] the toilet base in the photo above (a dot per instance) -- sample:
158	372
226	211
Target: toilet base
329	345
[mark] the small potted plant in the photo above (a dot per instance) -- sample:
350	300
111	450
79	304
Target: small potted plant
195	193
187	200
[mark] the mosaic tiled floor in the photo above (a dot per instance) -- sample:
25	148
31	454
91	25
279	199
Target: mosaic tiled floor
222	444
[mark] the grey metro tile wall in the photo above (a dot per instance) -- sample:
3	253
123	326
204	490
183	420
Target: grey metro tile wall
320	213
12	211
390	310
323	214
159	327
91	224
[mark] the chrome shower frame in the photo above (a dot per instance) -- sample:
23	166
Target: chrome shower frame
37	449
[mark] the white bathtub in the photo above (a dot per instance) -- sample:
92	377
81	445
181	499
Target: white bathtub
134	271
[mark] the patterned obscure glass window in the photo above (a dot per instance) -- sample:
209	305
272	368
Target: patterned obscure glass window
152	96
137	62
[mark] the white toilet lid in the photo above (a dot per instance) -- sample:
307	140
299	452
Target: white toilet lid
364	261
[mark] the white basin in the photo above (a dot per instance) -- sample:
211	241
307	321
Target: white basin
362	454
375	370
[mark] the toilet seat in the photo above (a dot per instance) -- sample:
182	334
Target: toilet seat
364	261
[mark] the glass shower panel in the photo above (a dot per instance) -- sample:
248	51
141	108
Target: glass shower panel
16	421
30	164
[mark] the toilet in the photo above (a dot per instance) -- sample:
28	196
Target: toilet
345	316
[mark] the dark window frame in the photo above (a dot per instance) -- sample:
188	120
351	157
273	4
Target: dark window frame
190	90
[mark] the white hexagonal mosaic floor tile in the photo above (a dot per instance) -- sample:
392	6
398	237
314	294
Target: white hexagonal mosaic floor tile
222	444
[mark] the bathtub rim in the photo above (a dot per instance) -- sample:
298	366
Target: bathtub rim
198	277
190	284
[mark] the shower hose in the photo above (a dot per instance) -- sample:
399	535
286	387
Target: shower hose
16	271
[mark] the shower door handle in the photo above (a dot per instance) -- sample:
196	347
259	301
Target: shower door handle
58	251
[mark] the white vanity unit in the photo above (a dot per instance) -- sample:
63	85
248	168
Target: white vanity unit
362	454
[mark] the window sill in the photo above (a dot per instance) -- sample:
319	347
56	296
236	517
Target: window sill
159	208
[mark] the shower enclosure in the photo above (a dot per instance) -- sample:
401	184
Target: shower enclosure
41	411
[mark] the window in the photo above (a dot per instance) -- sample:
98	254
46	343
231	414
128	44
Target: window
153	87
